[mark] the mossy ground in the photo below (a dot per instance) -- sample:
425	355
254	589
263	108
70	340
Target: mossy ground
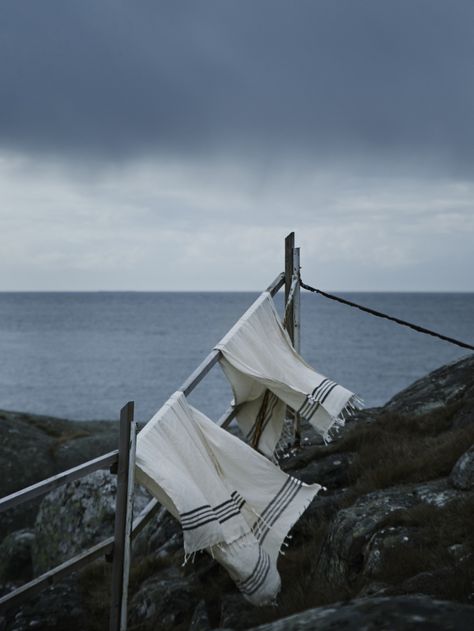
395	449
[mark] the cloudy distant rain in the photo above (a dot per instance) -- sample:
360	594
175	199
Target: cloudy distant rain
171	145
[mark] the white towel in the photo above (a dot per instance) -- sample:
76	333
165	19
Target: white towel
229	499
257	355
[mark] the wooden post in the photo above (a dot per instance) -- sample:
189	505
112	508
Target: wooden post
296	303
123	519
289	265
292	265
296	313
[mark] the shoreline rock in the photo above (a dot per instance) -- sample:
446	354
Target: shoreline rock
373	614
389	543
36	447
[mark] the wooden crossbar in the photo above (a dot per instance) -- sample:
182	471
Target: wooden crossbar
144	517
211	360
47	485
52	576
201	371
116	547
104	548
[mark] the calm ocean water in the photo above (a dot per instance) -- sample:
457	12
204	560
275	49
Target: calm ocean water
83	355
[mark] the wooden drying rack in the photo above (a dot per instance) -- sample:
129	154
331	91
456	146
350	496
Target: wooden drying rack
117	549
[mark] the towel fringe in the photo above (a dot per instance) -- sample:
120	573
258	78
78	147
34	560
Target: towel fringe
189	555
285	440
354	404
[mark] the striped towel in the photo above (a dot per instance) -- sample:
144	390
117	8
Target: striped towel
267	374
230	500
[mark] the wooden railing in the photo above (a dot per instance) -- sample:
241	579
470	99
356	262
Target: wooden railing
45	486
122	463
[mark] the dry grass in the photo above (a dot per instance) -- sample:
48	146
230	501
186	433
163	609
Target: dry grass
95	585
430	424
435	530
303	585
397	450
397	459
94	582
47	426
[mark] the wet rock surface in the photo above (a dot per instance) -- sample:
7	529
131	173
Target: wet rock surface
462	475
452	383
165	600
59	607
358	538
373	614
76	516
388	544
331	471
16	556
36	447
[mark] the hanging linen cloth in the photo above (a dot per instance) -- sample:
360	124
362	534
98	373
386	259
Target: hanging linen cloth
230	500
267	374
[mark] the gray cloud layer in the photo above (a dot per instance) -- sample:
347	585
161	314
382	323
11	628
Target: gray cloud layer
135	133
114	80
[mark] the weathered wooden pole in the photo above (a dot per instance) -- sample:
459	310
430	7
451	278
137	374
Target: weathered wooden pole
123	519
297	331
289	265
292	268
297	303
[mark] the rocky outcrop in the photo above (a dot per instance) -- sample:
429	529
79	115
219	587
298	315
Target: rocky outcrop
462	475
373	614
452	383
166	600
161	537
16	557
76	516
57	608
391	536
360	544
330	471
70	519
36	447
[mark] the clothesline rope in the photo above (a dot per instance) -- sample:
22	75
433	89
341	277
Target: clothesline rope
379	314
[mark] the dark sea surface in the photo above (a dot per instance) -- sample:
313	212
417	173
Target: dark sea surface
83	355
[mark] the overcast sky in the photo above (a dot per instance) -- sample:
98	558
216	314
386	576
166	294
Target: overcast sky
153	145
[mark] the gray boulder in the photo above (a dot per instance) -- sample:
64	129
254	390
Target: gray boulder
358	540
236	613
452	383
373	614
76	516
57	607
36	447
330	471
462	475
15	556
163	601
429	582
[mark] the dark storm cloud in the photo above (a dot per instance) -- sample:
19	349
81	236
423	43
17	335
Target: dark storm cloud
120	79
